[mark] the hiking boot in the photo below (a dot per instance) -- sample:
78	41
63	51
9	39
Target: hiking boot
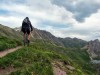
28	42
24	42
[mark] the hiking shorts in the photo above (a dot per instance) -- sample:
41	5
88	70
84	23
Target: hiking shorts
26	30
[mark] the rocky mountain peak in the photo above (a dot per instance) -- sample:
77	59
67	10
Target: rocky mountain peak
96	40
94	48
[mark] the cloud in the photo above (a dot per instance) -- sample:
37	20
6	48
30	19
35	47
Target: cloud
88	30
67	18
80	8
38	11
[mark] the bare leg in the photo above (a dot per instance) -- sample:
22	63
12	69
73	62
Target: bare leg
24	36
29	37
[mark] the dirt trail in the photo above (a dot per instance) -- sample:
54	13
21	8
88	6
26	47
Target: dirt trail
5	52
6	71
57	70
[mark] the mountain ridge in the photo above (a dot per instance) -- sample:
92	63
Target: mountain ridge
91	46
65	42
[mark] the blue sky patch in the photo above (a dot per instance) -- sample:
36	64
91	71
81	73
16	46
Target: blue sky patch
3	12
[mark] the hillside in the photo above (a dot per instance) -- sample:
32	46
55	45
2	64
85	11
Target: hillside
38	58
9	32
9	38
45	55
15	34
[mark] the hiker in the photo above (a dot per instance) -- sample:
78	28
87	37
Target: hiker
26	29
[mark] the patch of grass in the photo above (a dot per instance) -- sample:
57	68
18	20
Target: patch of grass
6	43
29	60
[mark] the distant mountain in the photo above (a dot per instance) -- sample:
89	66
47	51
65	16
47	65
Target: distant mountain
44	35
94	48
73	42
67	42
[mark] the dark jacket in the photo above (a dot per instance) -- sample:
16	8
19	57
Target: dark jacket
26	24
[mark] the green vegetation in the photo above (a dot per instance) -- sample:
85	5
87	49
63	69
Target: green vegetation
9	38
73	42
37	58
6	43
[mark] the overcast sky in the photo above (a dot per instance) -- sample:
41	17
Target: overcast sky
63	18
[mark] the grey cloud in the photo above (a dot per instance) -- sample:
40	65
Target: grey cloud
55	25
75	31
80	8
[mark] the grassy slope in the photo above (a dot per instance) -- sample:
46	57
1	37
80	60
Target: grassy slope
9	38
37	59
6	43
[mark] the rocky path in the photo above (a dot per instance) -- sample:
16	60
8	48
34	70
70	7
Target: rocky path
10	69
57	70
5	52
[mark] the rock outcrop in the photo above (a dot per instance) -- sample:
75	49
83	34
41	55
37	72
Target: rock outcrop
94	48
